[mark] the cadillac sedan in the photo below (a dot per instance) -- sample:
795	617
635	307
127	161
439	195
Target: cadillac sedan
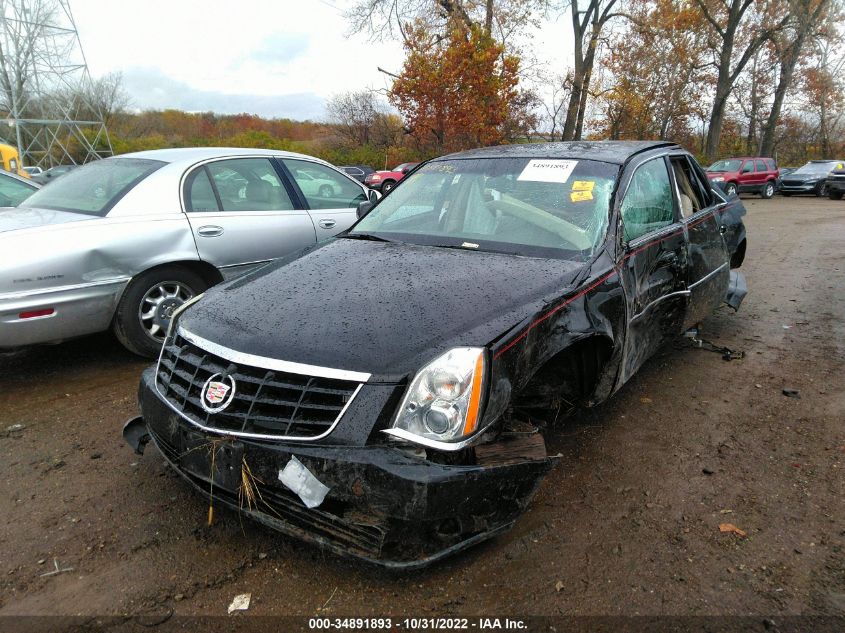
123	242
379	394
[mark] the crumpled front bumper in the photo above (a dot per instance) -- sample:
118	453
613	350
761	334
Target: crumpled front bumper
387	504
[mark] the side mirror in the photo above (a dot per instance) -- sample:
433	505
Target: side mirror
364	208
374	196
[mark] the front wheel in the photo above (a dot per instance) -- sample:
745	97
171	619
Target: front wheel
730	189
768	190
387	185
821	191
144	311
835	195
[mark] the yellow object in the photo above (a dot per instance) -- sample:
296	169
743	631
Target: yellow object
583	185
11	160
475	398
581	196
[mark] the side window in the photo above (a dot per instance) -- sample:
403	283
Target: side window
199	195
770	162
761	165
648	203
323	187
692	197
12	192
748	167
249	184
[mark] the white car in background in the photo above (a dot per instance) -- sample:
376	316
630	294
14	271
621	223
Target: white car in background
122	242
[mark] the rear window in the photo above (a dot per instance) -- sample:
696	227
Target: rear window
95	188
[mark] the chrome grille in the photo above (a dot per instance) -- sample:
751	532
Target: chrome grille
267	402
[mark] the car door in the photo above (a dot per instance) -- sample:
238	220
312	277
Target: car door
331	197
242	213
746	176
708	269
653	264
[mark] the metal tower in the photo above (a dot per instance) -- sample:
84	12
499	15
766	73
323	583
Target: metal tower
46	93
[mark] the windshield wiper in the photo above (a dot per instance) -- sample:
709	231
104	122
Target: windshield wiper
366	236
475	249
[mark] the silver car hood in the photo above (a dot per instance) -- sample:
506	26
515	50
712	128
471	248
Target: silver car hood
14	219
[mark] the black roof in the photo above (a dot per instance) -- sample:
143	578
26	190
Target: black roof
618	152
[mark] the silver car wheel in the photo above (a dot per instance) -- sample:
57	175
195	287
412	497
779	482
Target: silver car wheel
158	304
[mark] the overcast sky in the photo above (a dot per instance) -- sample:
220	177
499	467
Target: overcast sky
275	58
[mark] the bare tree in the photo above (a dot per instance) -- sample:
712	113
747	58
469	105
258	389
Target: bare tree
739	28
500	19
356	115
807	22
587	26
107	96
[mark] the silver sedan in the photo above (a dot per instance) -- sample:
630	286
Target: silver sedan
122	242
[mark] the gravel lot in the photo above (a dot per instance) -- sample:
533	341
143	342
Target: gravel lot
627	523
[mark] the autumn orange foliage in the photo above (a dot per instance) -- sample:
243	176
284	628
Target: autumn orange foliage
456	92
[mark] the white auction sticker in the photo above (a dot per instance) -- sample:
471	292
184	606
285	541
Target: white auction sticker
548	170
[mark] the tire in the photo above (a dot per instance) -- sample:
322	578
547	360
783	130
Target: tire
730	189
834	195
141	318
821	190
325	191
386	186
768	190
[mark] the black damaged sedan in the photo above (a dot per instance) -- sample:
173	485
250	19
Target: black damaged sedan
374	394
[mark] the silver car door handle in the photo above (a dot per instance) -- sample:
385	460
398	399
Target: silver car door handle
327	224
210	230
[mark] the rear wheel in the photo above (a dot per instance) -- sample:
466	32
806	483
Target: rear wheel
387	185
835	195
326	191
768	190
730	189
147	305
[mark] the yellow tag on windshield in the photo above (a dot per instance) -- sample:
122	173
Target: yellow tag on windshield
581	196
583	185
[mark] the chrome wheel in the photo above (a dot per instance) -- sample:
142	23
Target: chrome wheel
158	304
326	191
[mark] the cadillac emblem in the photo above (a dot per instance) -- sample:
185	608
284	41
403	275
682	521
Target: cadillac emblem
217	393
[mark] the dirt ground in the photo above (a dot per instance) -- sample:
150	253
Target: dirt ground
627	523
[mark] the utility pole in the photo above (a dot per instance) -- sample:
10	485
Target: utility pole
45	87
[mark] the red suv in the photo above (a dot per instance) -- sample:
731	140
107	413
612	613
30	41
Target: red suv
384	181
745	175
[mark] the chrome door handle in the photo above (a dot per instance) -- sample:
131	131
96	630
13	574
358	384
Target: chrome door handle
327	224
210	230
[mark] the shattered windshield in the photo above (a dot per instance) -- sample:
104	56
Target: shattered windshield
537	207
723	166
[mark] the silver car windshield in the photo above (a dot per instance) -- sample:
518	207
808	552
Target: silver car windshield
95	188
536	207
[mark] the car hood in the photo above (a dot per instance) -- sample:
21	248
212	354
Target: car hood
375	307
14	219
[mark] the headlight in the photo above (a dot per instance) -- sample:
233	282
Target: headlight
442	403
718	179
